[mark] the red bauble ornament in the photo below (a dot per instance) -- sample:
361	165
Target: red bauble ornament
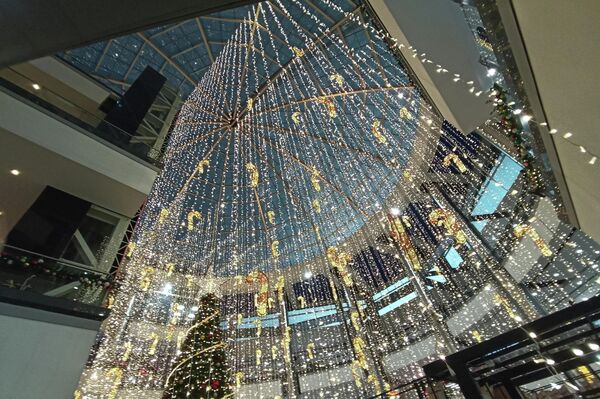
215	384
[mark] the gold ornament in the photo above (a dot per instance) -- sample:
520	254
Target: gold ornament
77	394
316	206
130	248
500	300
253	170
296	117
170	268
523	229
249	105
337	78
117	375
146	279
405	113
263	293
354	317
271	217
201	165
128	347
443	217
298	52
376	385
240	318
154	344
339	261
356	373
359	349
315	179
164	213
318	232
285	343
275	249
258	323
329	104
191	219
408	176
302	302
110	301
333	290
279	286
258	357
274	352
310	350
476	335
400	236
376	130
239	377
455	159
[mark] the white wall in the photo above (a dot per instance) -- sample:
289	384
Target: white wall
41	356
561	39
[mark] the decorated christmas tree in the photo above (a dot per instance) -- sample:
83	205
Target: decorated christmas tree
201	371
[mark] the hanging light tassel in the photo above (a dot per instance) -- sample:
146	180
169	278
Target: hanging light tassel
170	268
274	352
279	287
130	248
128	347
116	374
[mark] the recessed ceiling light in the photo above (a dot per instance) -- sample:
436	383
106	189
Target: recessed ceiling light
36	86
15	172
1	213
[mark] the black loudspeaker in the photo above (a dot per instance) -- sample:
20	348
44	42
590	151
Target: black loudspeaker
47	227
135	103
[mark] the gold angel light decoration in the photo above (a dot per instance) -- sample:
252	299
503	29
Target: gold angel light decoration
262	301
445	218
275	249
400	236
253	170
405	113
298	52
376	130
337	78
201	165
526	230
271	217
296	117
191	219
339	261
452	158
315	179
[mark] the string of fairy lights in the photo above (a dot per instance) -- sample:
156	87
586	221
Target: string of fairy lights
310	185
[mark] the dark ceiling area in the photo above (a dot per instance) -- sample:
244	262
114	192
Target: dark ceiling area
36	28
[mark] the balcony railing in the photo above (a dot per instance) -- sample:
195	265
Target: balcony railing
20	86
30	272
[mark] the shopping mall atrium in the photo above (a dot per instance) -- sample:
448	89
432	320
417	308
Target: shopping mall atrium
299	199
